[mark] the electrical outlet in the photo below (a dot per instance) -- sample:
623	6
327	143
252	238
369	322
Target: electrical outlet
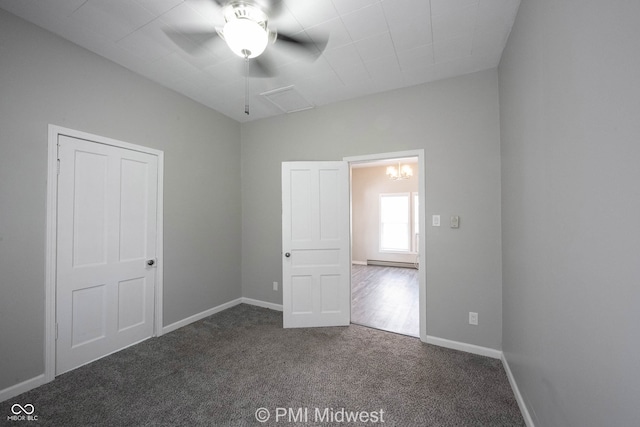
275	286
473	318
435	220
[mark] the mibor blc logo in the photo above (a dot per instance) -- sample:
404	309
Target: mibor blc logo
22	413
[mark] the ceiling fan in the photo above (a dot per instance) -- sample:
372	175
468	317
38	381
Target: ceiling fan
247	33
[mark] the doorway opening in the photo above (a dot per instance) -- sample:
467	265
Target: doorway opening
316	240
388	289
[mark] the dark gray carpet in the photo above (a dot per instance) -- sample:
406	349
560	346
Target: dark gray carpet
221	370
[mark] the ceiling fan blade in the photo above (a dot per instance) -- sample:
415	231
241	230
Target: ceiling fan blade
314	47
192	41
272	8
262	67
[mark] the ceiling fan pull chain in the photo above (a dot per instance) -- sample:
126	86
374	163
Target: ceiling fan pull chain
246	85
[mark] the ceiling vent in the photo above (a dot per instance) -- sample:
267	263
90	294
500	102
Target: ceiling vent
288	99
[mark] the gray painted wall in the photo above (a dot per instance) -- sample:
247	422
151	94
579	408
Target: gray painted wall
456	121
569	109
43	80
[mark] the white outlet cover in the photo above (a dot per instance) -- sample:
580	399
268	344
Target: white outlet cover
435	220
473	318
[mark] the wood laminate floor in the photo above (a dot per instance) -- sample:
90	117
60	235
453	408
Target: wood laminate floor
385	298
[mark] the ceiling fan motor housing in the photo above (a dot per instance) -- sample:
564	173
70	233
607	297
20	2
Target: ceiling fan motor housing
245	29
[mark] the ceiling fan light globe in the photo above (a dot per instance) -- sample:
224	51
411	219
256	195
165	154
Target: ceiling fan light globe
245	38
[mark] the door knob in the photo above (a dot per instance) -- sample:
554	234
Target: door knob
150	262
287	254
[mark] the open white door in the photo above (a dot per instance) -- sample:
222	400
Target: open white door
316	259
106	250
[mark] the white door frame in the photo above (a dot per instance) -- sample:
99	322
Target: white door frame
422	271
52	237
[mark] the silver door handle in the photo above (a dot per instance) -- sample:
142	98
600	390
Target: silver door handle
287	254
151	262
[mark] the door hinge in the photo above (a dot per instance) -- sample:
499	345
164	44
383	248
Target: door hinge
56	331
58	166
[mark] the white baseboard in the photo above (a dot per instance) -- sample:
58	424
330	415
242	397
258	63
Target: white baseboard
32	383
359	262
469	348
264	304
23	387
516	391
184	322
495	354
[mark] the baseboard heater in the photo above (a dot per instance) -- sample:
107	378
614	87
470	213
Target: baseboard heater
391	263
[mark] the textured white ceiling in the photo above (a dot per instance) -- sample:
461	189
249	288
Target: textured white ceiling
374	45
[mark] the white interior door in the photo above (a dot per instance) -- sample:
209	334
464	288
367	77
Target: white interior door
107	205
316	264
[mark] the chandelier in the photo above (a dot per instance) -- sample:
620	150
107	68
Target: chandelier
401	172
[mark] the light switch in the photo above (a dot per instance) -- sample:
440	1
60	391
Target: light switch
455	221
473	318
435	220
